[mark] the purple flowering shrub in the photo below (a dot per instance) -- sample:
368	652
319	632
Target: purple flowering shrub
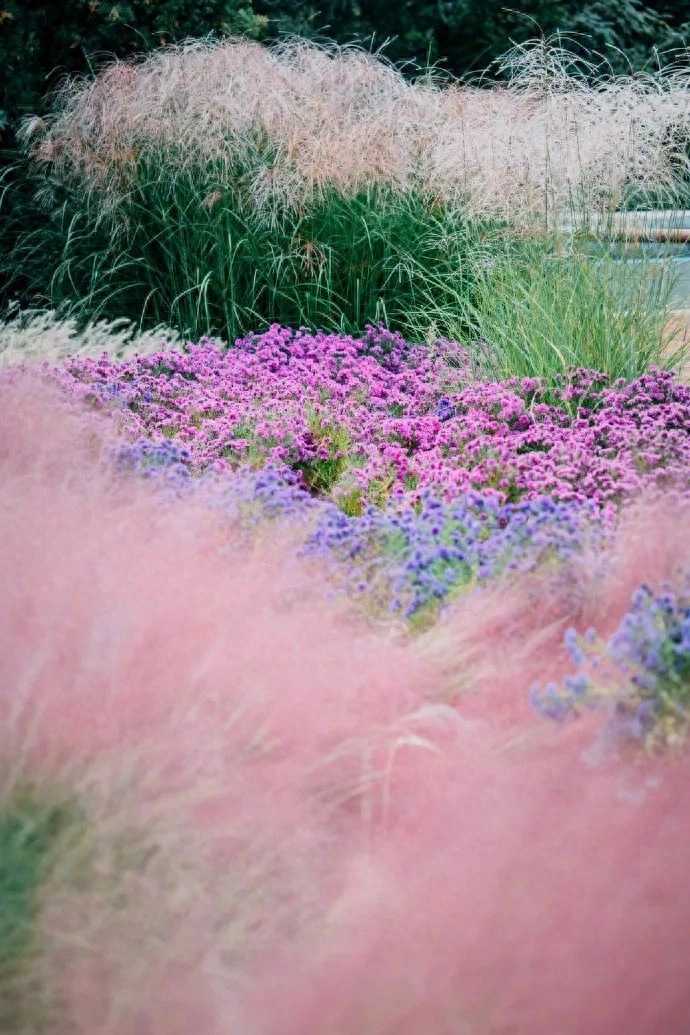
641	675
364	421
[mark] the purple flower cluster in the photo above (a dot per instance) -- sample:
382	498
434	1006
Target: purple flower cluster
247	496
367	420
641	675
165	461
408	560
411	480
415	559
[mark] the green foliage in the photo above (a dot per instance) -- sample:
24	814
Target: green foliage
535	313
186	247
467	35
42	42
179	250
30	828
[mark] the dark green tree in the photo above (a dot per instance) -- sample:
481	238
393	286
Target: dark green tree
40	42
465	36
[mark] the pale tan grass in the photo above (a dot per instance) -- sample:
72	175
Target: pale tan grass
39	335
544	143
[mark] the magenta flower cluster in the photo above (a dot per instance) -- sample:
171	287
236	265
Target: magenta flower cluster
373	419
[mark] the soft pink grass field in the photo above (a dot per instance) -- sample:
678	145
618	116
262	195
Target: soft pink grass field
322	845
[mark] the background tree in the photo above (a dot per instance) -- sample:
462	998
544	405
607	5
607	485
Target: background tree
465	36
42	41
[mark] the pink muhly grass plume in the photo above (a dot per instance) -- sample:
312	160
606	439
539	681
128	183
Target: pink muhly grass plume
285	828
191	696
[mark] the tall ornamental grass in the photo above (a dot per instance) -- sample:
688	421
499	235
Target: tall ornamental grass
224	186
193	256
536	314
300	118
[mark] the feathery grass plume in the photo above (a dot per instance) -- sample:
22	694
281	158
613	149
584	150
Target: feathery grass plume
282	828
220	186
566	139
36	336
151	700
296	116
561	133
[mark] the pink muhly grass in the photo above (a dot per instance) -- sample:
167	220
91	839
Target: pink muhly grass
285	830
210	692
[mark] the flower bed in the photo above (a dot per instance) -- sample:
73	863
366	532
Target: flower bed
407	479
369	420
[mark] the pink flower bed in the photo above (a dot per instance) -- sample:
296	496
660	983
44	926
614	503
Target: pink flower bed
365	420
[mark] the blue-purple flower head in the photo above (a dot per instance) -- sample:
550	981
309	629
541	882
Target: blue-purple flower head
644	668
445	410
551	702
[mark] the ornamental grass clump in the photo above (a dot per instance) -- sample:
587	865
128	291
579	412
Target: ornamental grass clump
221	186
542	314
298	118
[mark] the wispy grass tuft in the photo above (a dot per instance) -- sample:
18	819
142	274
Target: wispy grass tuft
35	336
535	313
553	132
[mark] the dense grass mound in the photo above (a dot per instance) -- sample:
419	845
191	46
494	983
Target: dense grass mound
222	187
